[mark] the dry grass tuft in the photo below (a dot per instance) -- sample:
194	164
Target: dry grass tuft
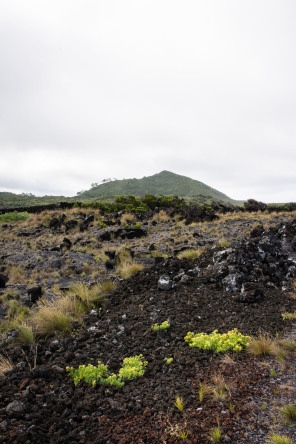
275	438
227	359
263	345
288	411
25	334
220	388
191	253
48	319
128	218
129	269
17	275
204	390
161	216
5	365
89	296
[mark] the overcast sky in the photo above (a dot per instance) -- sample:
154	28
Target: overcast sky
92	89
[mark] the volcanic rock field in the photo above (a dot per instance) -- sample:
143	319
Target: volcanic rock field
233	271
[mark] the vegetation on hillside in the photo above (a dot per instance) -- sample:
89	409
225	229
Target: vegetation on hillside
163	183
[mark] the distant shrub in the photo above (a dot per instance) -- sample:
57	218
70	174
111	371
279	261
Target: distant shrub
254	205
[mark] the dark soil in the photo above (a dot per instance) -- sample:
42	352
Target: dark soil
49	408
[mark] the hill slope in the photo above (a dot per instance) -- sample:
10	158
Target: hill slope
165	183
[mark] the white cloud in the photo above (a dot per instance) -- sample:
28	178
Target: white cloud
95	89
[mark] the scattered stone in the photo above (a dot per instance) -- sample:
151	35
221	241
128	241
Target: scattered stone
165	283
15	407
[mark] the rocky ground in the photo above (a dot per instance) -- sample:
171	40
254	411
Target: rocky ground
243	278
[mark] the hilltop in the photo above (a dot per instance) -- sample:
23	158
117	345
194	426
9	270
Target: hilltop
163	183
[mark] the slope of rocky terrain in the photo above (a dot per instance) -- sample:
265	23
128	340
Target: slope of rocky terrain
237	271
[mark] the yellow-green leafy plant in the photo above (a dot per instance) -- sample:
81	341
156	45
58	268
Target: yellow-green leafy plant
132	367
168	360
161	327
231	341
179	403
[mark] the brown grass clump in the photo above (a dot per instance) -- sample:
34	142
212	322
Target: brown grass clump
128	218
263	345
220	389
227	359
17	275
5	365
161	216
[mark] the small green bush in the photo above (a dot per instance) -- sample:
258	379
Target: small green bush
231	341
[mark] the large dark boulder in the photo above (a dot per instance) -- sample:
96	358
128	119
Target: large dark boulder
35	293
3	280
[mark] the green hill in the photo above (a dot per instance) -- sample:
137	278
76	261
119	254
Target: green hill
164	183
